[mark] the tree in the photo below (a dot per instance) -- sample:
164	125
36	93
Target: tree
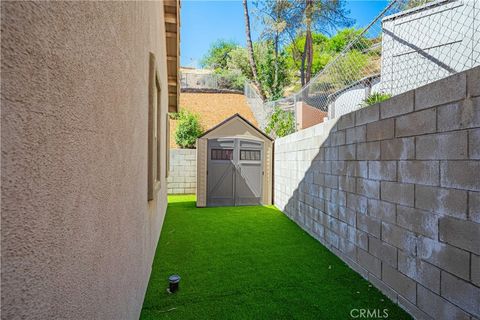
350	67
231	79
281	123
327	48
342	38
272	70
188	129
307	57
278	21
321	56
218	55
230	62
250	50
289	45
239	61
323	16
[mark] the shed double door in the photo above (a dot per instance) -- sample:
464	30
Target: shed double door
234	172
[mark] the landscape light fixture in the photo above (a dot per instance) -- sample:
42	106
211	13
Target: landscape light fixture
173	282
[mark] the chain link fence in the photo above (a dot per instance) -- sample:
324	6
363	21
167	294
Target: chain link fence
401	49
256	104
195	80
202	79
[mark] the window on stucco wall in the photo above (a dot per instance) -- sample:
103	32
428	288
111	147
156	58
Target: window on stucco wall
154	129
167	147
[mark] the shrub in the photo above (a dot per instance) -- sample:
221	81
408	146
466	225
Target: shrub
174	115
230	79
188	129
375	97
350	67
281	123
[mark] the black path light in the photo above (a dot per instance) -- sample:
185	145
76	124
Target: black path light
173	282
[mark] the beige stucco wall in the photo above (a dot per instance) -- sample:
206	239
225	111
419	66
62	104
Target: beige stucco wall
235	127
78	234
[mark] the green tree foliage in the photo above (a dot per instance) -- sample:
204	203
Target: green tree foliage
188	129
342	38
230	62
218	55
350	67
273	76
239	61
279	70
273	71
325	49
281	123
321	56
279	19
231	79
319	16
250	50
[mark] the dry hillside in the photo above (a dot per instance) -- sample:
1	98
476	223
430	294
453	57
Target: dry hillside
212	108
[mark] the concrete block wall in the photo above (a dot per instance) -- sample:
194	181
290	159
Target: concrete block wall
394	190
182	178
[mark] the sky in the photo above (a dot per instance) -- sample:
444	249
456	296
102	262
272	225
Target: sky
204	22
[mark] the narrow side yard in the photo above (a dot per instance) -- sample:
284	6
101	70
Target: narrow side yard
251	262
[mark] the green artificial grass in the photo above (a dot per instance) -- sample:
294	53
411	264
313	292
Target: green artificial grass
251	263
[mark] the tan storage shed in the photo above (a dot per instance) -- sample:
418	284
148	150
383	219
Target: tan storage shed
234	165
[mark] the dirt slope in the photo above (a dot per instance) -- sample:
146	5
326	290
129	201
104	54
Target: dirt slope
212	108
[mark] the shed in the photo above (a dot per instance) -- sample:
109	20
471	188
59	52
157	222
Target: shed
234	165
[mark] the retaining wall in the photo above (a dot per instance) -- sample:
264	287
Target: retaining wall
182	178
394	191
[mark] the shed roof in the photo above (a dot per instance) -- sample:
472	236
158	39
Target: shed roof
224	122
